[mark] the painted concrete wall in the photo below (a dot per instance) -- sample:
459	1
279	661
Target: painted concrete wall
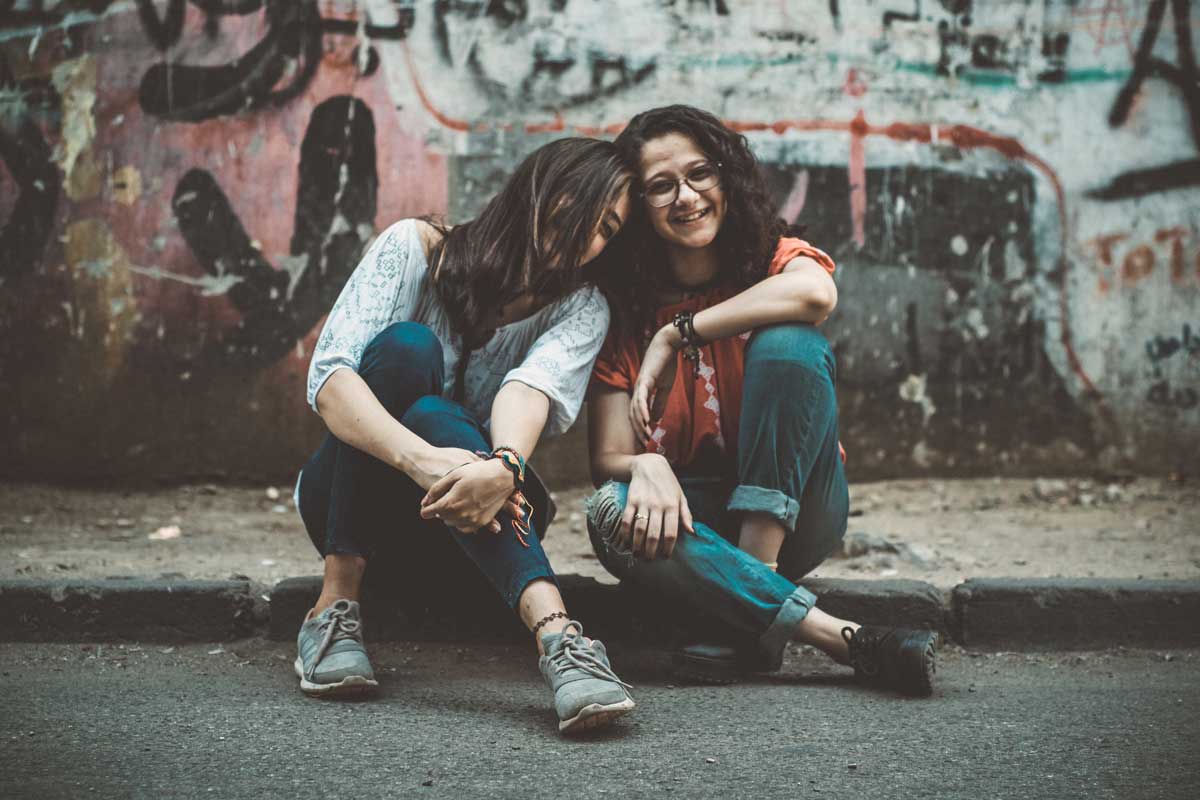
1009	188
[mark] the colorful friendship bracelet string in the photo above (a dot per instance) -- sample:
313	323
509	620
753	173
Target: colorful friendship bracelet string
514	462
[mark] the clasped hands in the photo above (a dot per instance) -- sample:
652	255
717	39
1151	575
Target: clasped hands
468	492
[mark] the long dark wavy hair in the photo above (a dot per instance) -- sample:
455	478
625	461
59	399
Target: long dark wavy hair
532	235
748	236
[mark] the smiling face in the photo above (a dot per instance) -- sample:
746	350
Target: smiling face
695	218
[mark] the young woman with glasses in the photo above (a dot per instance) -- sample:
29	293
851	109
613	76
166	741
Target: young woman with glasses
450	351
712	415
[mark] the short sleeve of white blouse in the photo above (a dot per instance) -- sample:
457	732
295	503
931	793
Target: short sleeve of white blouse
559	362
552	350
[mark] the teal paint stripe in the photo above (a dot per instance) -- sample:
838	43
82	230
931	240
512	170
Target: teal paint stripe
982	78
728	60
1003	80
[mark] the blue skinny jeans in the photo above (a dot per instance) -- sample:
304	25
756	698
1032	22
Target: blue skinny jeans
788	466
354	504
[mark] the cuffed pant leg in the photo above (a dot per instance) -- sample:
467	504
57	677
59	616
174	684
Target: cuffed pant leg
788	460
706	573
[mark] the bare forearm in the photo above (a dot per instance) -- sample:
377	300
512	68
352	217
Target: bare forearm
519	415
611	442
787	297
355	416
612	466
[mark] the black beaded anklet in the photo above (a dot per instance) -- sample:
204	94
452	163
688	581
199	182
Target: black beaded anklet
547	618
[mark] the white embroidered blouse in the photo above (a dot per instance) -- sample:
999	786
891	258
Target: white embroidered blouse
552	350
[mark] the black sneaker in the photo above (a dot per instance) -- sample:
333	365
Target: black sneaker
710	664
894	658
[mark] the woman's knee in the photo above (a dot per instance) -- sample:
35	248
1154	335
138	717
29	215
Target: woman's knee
433	413
798	343
605	508
408	346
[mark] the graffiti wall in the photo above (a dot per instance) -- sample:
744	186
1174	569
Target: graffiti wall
1011	190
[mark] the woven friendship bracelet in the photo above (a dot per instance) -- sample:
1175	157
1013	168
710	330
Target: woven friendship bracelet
514	462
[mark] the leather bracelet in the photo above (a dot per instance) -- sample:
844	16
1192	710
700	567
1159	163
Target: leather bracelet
691	340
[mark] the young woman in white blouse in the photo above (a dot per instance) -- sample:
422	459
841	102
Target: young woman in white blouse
450	351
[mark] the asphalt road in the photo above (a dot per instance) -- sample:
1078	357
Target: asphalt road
454	721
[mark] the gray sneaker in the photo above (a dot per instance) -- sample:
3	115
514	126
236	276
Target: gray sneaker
587	694
332	660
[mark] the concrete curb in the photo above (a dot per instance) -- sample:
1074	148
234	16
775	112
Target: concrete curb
1065	613
608	611
980	614
895	602
126	609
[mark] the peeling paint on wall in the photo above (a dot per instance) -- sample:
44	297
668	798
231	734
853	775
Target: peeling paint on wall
99	308
75	81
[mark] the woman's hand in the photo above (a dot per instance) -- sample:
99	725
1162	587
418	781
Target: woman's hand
654	381
437	462
654	510
469	498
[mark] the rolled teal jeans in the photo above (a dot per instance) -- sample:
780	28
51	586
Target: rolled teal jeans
788	466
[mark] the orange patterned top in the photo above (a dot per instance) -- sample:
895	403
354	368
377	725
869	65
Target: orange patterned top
702	413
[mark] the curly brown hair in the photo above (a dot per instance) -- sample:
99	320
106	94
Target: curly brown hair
748	236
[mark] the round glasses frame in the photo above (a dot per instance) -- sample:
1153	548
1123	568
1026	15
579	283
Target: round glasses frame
705	185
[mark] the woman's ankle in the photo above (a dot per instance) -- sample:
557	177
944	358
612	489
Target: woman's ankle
541	609
343	577
326	600
824	632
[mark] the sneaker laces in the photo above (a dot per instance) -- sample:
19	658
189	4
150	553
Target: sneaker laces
336	627
862	645
577	652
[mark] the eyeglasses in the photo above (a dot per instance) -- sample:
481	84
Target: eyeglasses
665	191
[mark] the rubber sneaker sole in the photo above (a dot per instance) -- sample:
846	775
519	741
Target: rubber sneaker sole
596	715
350	686
922	668
707	671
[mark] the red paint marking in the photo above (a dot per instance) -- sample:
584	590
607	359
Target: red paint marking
1175	237
854	86
796	198
556	126
1139	263
449	122
1105	245
599	130
858	180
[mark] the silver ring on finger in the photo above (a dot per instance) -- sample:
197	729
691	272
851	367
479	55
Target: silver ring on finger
636	517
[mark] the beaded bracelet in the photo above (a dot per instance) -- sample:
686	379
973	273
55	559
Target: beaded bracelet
547	618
